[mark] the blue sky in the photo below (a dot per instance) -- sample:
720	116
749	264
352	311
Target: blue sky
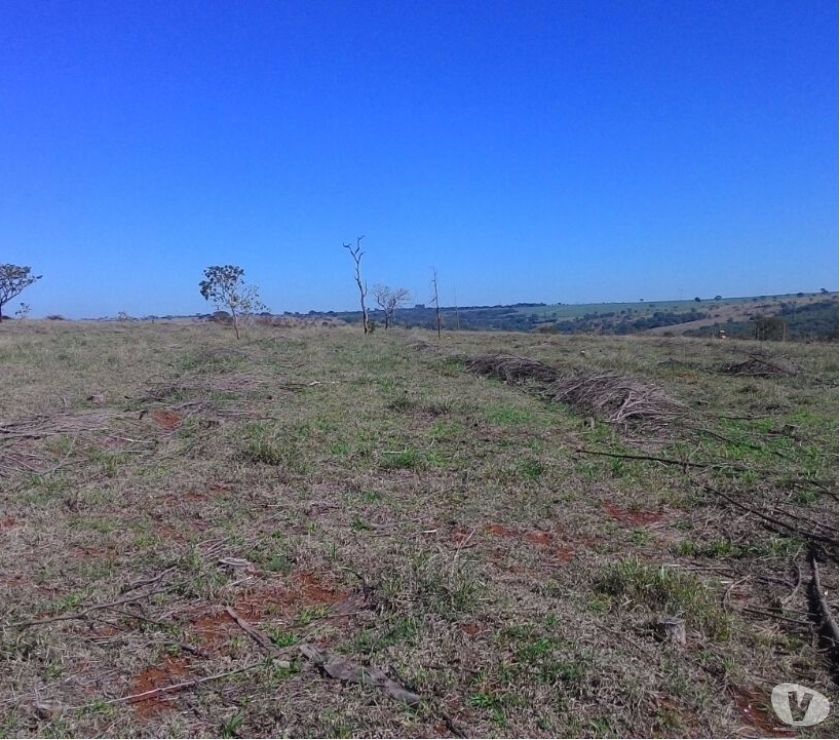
531	151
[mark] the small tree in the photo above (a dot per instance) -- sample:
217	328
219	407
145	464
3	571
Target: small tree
14	279
389	300
24	311
357	254
225	287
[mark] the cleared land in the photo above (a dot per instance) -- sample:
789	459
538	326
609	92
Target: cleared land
478	530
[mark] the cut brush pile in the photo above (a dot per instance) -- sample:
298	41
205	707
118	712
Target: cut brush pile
613	398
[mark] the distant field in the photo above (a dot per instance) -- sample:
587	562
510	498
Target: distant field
507	551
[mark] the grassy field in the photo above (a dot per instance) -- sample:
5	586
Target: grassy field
375	499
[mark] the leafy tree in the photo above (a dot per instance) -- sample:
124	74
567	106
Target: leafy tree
389	300
14	279
225	287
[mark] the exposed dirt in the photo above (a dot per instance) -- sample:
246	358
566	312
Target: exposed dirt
498	530
170	671
471	629
167	420
636	518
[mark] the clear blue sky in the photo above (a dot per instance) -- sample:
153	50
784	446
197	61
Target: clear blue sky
547	151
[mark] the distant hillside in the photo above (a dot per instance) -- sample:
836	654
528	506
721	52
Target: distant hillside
811	316
809	321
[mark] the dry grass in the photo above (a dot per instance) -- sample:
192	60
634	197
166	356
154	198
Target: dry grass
394	509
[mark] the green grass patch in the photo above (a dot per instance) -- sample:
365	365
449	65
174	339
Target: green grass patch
666	592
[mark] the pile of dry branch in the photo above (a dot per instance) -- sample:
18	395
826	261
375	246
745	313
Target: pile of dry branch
758	366
616	399
512	369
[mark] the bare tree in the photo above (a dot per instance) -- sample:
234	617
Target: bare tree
14	279
457	313
225	287
356	253
389	300
436	300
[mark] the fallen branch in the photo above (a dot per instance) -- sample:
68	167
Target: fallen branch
654	458
85	612
796	586
262	640
134	585
172	688
826	617
345	670
813	536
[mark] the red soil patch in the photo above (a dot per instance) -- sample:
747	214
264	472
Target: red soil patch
167	420
214	630
311	591
471	629
7	522
632	517
94	552
497	530
540	538
307	590
171	671
753	710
